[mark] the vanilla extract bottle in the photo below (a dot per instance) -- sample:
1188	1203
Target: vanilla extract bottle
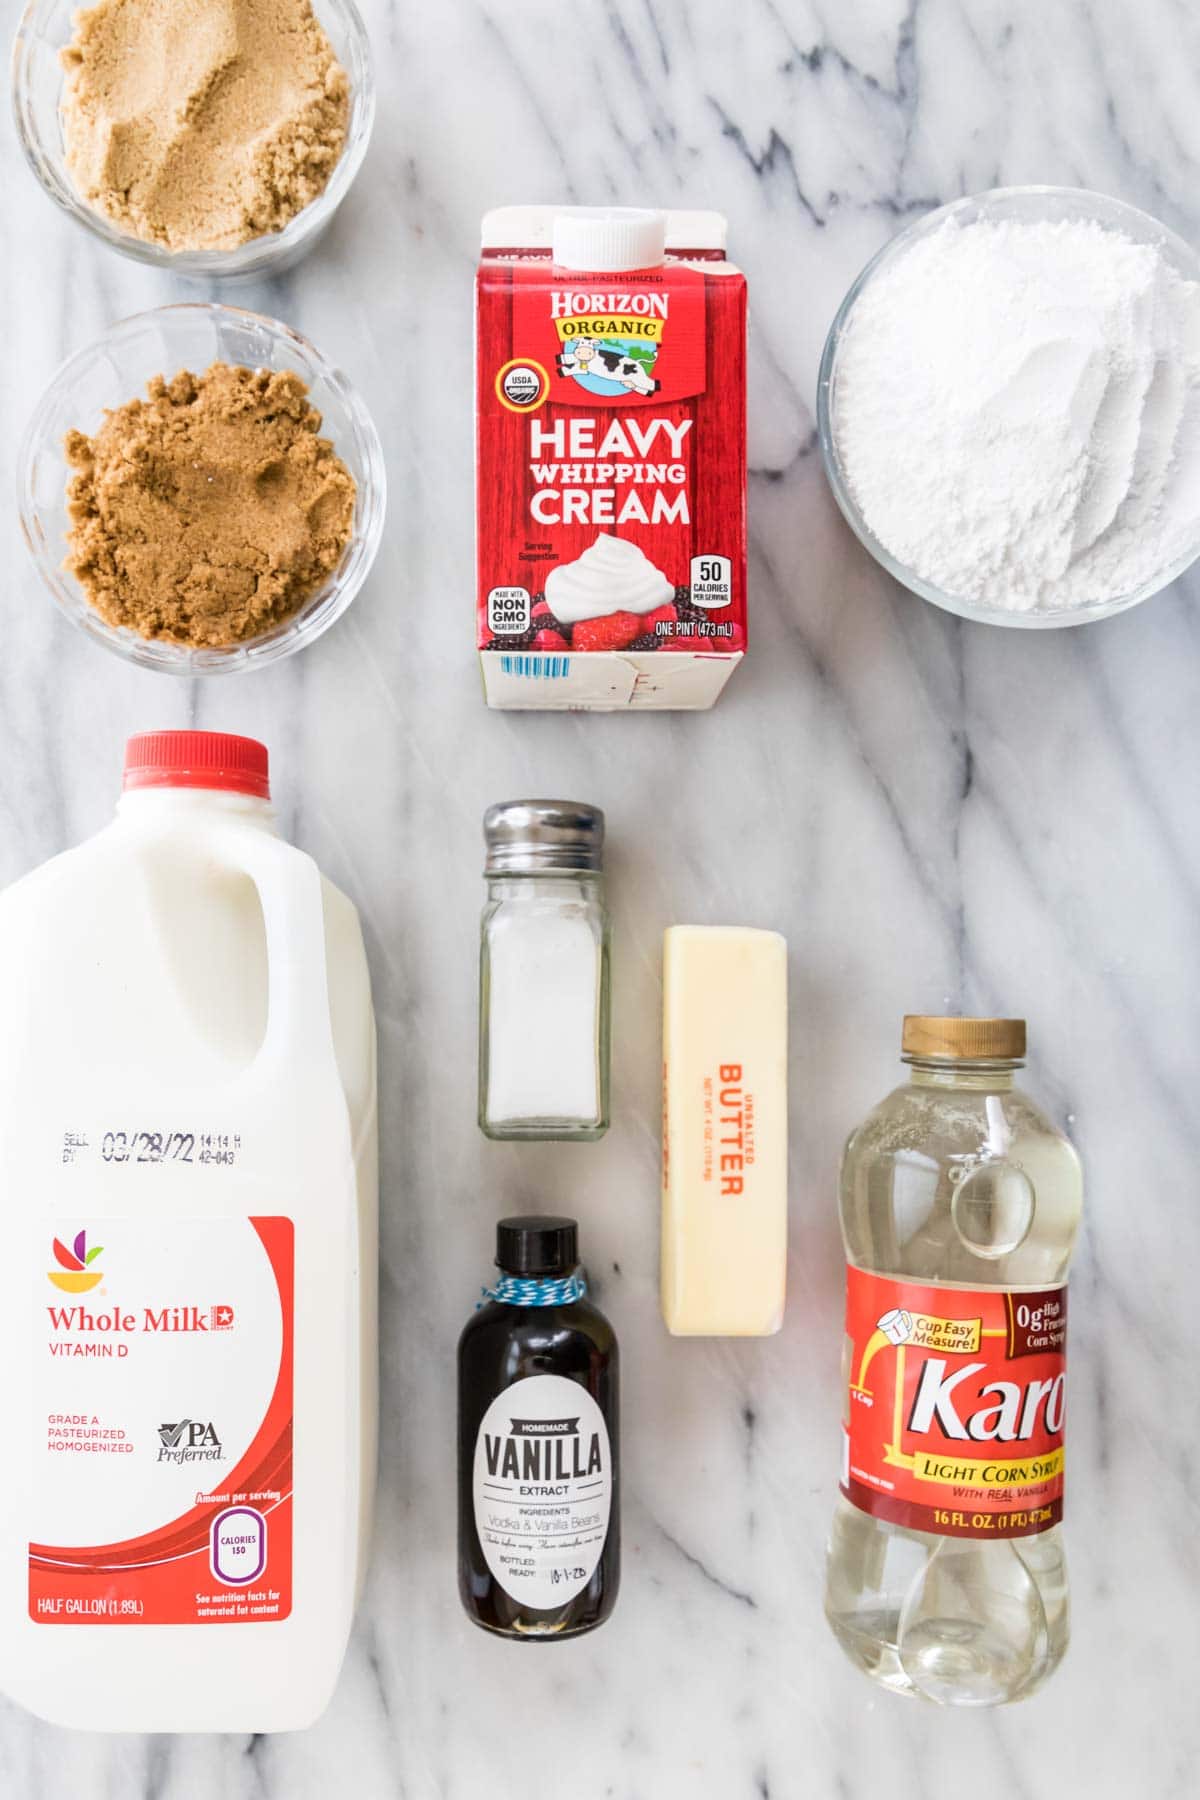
539	1533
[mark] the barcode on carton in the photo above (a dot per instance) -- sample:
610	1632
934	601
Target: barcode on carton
543	668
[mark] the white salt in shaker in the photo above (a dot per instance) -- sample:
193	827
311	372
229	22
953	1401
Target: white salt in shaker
543	973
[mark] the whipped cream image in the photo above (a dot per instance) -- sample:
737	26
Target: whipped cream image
611	576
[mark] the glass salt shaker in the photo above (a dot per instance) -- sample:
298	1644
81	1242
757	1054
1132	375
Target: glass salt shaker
543	973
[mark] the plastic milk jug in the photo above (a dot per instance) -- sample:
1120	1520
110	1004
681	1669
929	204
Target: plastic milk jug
188	1173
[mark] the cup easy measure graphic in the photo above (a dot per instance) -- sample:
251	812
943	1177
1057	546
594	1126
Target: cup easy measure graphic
75	1274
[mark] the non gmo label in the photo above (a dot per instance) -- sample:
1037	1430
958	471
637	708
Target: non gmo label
955	1405
509	609
162	1422
543	1489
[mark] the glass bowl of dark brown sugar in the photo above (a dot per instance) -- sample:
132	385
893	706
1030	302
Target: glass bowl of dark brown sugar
201	491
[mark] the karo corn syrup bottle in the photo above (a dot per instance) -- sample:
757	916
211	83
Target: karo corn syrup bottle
539	1527
960	1203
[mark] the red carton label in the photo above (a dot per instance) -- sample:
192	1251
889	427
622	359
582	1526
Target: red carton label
611	459
209	1539
955	1401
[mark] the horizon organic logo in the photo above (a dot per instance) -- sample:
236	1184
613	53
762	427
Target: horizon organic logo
75	1274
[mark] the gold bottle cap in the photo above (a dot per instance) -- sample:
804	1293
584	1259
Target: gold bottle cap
955	1040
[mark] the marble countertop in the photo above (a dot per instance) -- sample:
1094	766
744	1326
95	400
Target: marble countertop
938	815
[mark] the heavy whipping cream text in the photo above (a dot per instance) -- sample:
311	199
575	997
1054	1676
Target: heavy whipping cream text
594	475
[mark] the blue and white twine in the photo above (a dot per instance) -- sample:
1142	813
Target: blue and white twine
516	1290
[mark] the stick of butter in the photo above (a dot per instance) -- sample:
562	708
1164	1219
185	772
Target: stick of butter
724	1202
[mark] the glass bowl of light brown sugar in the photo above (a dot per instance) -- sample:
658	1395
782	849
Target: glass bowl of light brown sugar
201	491
217	142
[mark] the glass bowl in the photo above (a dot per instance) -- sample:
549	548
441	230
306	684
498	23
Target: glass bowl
115	369
1027	204
37	78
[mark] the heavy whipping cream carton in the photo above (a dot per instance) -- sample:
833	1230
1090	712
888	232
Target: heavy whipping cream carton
611	459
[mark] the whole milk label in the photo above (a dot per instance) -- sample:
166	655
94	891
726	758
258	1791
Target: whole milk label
955	1403
161	1488
543	1489
611	458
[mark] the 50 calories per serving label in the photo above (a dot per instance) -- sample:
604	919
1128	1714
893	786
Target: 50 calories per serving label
955	1401
161	1486
543	1489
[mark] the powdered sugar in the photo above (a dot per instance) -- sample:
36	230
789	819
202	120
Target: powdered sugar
1016	408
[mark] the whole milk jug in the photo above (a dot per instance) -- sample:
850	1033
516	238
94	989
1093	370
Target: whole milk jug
188	1171
960	1203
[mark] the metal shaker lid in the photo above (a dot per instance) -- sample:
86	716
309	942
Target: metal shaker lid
532	837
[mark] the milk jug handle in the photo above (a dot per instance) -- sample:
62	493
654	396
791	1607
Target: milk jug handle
288	884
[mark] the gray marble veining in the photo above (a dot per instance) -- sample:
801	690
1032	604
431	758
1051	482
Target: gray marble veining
935	813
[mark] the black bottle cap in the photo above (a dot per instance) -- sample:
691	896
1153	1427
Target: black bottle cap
537	1244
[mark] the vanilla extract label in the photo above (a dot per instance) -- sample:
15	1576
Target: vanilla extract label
542	1485
544	1453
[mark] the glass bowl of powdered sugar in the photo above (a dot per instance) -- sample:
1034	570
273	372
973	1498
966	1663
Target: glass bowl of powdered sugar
1009	407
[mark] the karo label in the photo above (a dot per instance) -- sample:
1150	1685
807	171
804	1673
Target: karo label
955	1402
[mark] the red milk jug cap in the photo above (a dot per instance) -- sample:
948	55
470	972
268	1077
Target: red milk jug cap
197	759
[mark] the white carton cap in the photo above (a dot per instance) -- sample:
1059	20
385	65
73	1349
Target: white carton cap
609	238
522	228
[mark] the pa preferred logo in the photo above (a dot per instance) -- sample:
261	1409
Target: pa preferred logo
190	1440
